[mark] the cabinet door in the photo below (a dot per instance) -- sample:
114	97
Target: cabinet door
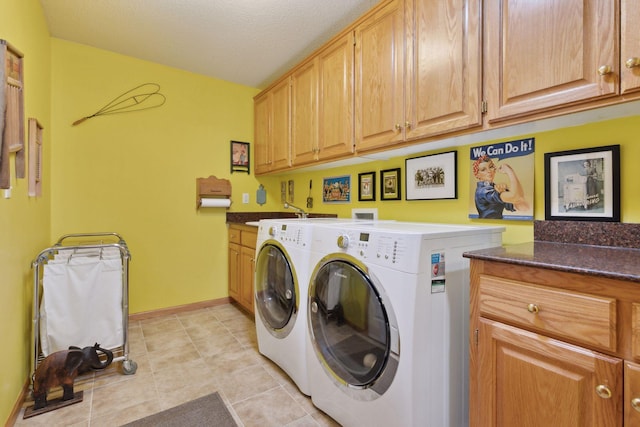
443	86
234	271
262	123
631	394
304	113
630	46
335	102
528	379
548	53
247	268
379	77
281	125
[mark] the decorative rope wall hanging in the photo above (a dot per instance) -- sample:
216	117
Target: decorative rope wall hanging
143	97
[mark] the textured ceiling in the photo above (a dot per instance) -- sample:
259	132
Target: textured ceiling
250	42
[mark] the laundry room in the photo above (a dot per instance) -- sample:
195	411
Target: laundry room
196	274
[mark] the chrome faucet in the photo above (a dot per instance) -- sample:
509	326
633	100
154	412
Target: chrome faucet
299	212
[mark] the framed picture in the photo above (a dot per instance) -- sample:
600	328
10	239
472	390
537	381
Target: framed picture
336	189
367	186
583	185
432	177
390	184
240	157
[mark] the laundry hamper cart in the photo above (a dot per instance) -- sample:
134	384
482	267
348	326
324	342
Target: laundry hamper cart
80	297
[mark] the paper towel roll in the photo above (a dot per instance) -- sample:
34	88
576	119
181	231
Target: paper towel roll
215	203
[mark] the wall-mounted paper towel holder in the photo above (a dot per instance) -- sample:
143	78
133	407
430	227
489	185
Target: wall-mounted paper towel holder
215	192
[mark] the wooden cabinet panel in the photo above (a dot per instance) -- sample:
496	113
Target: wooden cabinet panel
443	87
630	46
379	78
304	113
588	319
272	117
335	103
631	394
247	267
234	271
547	53
529	379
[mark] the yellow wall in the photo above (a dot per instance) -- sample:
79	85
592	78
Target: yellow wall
135	173
24	221
621	131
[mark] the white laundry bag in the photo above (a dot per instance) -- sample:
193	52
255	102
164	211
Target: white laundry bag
82	302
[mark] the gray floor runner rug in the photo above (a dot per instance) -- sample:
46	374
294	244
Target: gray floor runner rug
209	410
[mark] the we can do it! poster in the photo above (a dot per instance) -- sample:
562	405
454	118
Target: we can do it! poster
501	180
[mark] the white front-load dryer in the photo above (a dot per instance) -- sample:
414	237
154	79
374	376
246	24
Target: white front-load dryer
281	287
281	284
388	322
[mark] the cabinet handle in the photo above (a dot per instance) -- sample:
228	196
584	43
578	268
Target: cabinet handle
632	62
603	391
398	127
604	70
407	125
533	308
635	403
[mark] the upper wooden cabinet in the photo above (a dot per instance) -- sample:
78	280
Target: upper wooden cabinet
443	86
322	104
630	46
544	54
272	117
379	78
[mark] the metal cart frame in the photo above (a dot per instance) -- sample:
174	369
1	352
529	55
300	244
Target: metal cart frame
121	353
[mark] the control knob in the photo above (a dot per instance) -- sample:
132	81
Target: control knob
343	241
273	230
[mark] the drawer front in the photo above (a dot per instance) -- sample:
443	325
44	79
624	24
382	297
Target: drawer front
234	235
585	318
248	238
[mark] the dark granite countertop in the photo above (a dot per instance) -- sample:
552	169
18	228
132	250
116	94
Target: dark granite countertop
604	261
244	217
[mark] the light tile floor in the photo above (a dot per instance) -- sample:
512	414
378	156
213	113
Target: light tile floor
182	357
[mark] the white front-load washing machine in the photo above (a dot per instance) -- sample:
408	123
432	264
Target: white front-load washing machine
281	287
388	315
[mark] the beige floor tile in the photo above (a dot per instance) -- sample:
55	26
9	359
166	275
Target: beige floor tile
184	356
272	408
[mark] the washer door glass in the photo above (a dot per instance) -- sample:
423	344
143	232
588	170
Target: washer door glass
349	324
275	289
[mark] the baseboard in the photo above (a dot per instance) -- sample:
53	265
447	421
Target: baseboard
13	416
178	309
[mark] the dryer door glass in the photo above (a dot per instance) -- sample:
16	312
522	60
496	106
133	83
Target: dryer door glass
349	324
275	287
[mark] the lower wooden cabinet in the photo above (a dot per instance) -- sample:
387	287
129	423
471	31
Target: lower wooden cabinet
552	348
242	248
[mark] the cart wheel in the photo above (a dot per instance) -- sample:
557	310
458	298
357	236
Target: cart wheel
129	367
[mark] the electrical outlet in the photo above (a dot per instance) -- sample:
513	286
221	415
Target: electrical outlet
7	193
245	198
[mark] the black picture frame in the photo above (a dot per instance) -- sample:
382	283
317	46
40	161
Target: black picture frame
583	184
367	186
432	177
390	184
240	157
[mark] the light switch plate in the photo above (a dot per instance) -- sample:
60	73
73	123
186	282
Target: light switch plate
245	198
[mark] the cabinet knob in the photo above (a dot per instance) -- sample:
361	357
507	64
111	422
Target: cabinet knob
635	403
603	391
604	70
398	127
632	62
407	125
533	308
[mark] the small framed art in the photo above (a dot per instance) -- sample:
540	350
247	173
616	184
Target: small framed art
390	188
336	189
431	177
240	157
583	185
367	186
